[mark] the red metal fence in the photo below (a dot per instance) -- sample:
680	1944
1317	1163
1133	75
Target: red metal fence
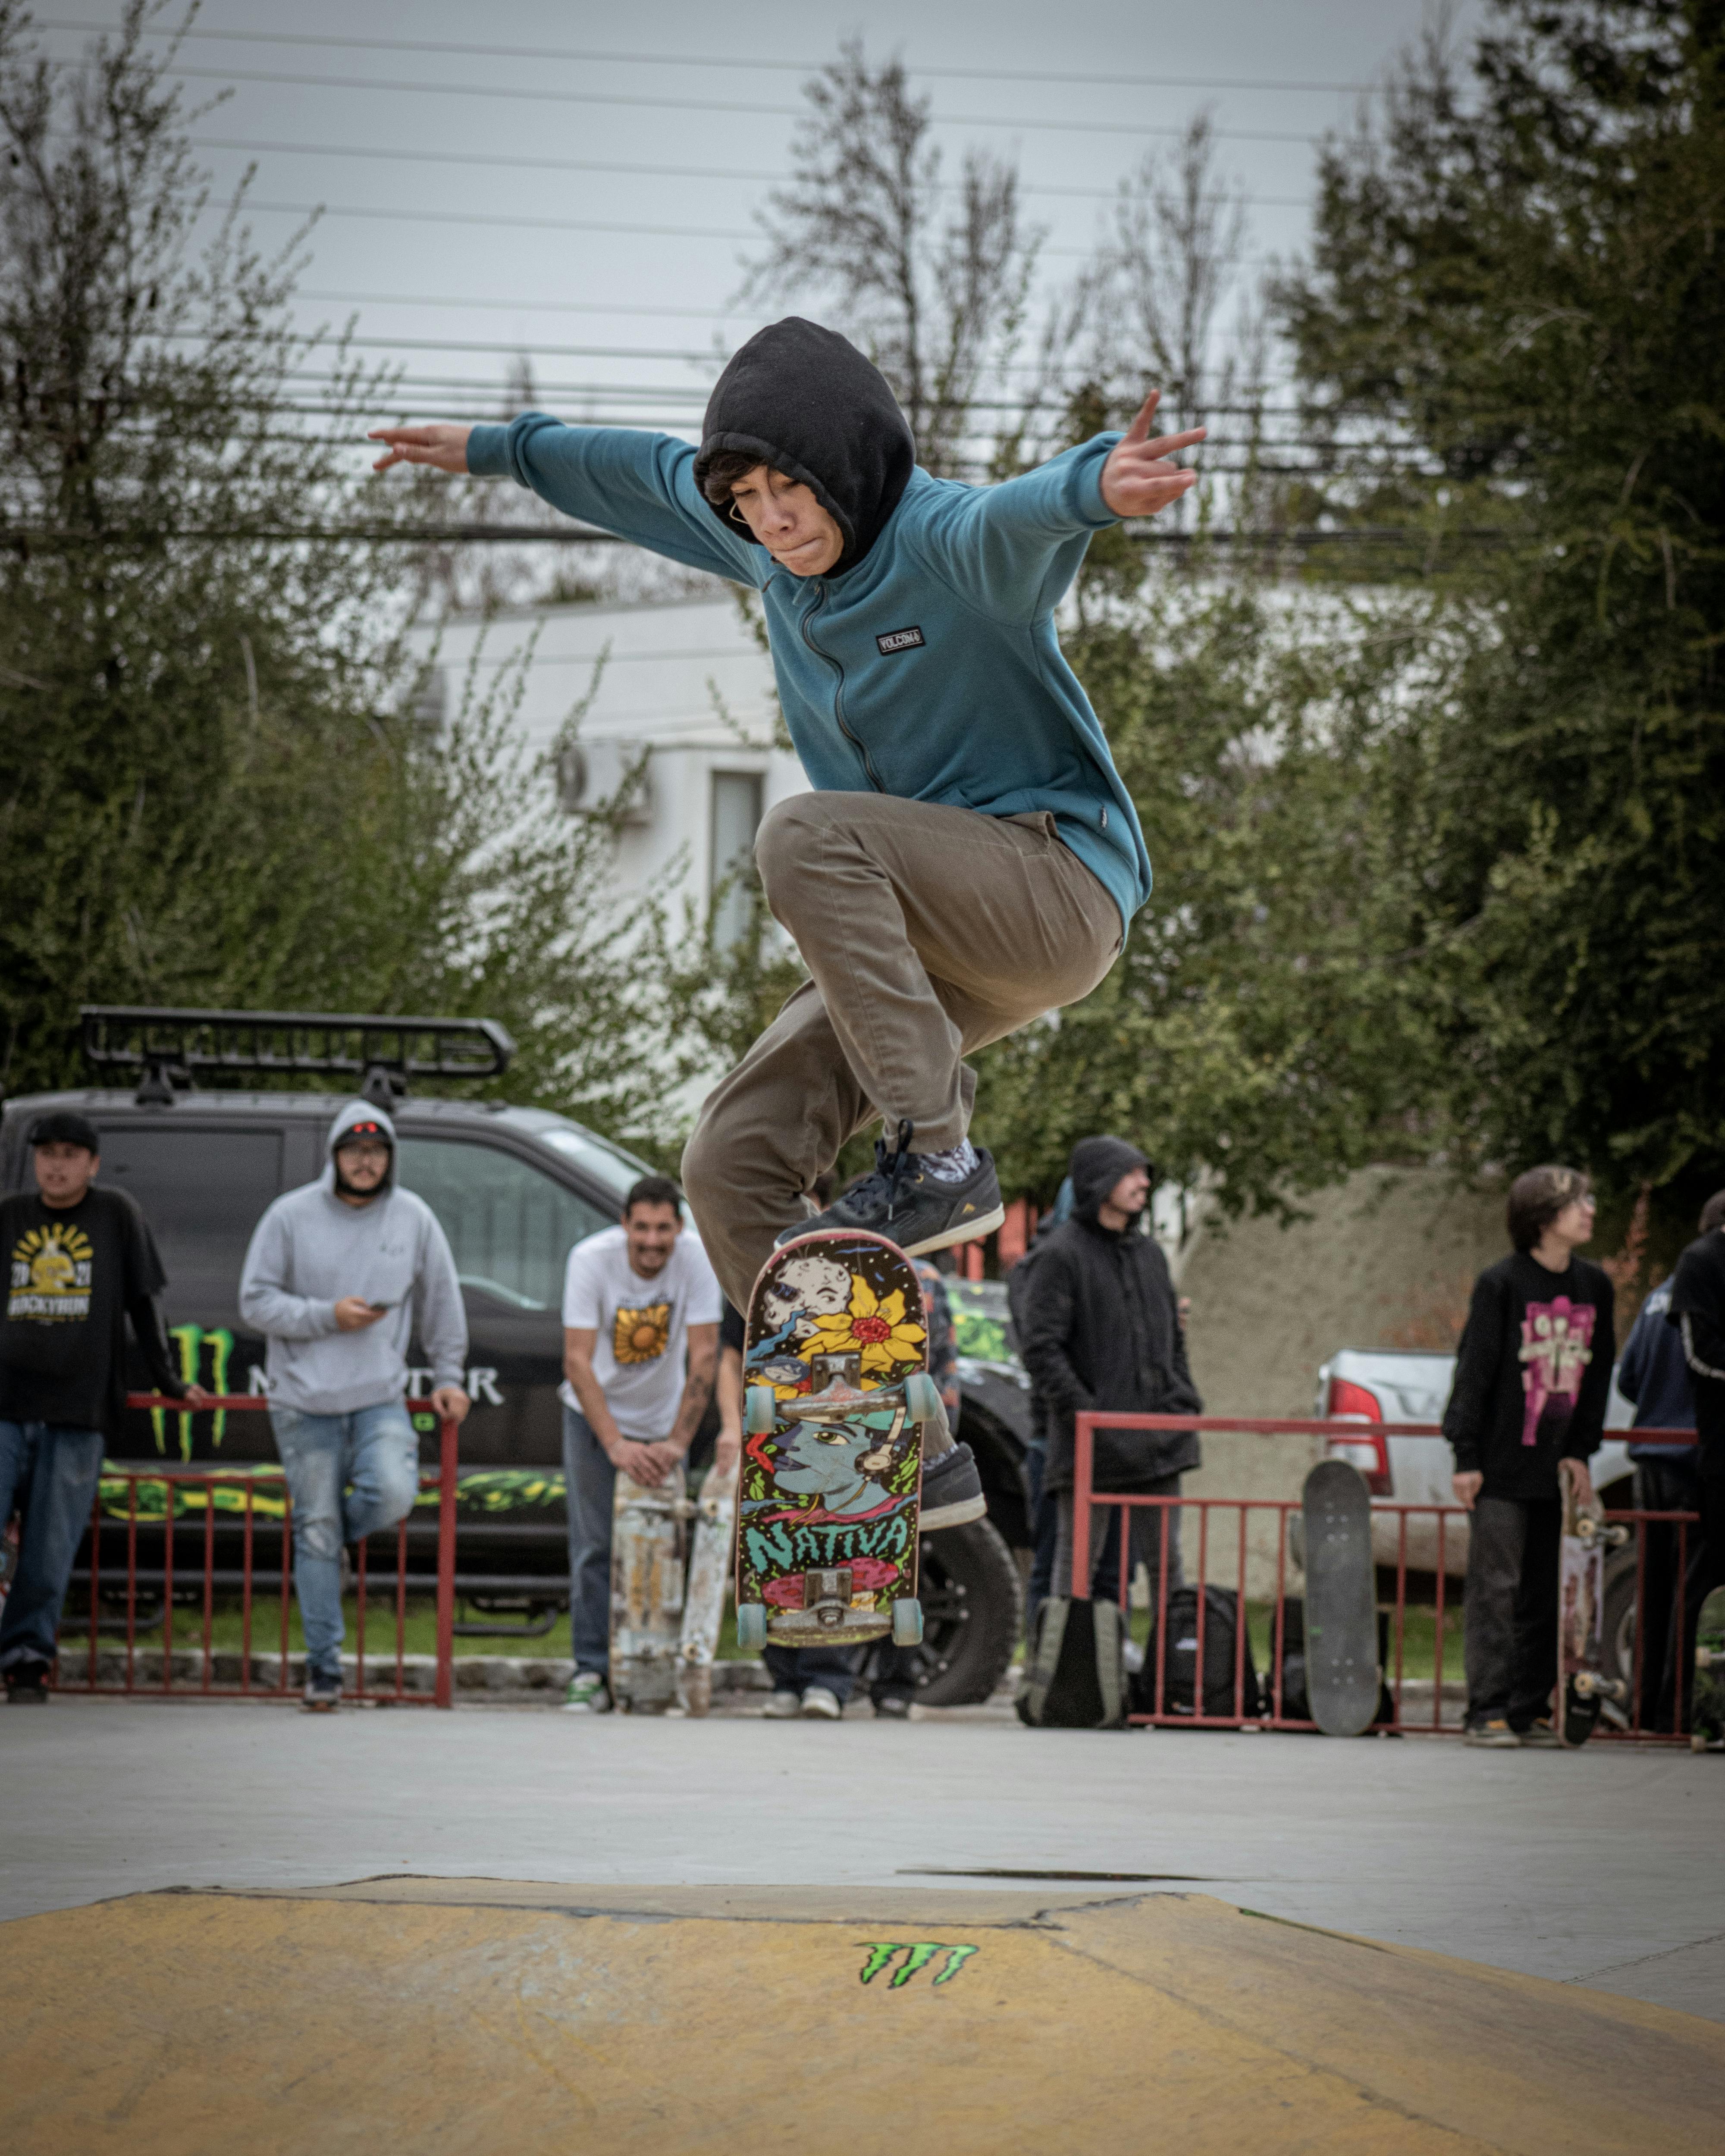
158	1502
1224	1531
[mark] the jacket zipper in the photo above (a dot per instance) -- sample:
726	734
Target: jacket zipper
874	777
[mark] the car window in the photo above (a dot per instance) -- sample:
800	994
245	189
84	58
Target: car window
509	1225
604	1162
202	1193
980	1317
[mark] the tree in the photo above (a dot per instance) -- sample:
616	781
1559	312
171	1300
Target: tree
936	296
1516	285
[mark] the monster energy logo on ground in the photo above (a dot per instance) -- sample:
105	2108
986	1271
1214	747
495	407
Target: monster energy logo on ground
190	1340
918	1955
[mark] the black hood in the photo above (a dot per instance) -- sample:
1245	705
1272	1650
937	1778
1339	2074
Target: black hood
1096	1165
804	400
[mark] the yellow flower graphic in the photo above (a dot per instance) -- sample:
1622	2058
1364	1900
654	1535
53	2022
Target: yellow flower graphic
874	1328
641	1336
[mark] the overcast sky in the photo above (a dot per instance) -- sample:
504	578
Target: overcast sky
435	254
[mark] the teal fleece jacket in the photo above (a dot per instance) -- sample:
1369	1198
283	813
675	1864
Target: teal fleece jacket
931	670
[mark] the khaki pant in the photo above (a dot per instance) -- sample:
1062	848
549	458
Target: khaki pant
929	932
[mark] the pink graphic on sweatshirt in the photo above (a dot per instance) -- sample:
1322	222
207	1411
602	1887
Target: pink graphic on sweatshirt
1556	1347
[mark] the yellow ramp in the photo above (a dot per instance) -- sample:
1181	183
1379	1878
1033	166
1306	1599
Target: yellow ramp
489	2018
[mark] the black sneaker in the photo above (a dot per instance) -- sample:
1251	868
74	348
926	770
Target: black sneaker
951	1490
918	1211
27	1683
323	1691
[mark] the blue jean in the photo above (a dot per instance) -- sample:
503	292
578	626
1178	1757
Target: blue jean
589	1485
794	1669
377	1451
50	1474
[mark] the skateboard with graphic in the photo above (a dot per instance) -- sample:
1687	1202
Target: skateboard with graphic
1707	1723
837	1405
1584	1691
704	1601
649	1533
1342	1677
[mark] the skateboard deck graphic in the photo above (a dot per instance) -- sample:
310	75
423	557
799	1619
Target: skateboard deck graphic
1342	1678
704	1602
1584	1691
834	1361
649	1542
1707	1722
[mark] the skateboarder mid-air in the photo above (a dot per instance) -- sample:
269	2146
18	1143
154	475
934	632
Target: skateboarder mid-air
969	858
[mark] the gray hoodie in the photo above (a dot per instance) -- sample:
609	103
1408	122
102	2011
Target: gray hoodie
310	1249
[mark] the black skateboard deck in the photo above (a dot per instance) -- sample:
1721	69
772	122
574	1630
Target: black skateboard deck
1342	1678
838	1397
1584	1691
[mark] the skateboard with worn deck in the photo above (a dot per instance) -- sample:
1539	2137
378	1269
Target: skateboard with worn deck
1342	1677
1707	1723
837	1402
648	1547
1584	1691
704	1602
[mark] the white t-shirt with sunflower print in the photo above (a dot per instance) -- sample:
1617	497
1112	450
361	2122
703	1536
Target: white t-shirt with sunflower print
641	1356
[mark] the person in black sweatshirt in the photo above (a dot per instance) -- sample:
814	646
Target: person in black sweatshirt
81	1260
1697	1311
1101	1328
1527	1406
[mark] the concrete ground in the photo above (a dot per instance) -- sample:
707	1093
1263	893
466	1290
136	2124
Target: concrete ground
1597	1868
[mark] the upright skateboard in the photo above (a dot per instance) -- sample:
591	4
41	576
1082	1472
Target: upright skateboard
1584	1691
1342	1678
1707	1722
704	1603
837	1400
648	1543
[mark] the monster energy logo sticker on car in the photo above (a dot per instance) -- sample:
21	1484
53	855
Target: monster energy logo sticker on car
918	1955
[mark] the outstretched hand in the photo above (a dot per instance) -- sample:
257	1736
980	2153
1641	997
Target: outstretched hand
1137	480
441	446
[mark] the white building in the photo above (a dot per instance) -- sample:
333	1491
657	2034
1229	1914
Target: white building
682	682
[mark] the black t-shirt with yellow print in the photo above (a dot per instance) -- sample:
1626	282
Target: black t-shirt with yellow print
76	1273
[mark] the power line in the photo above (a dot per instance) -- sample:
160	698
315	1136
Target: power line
716	60
516	93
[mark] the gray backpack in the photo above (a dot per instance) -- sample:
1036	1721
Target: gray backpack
1076	1673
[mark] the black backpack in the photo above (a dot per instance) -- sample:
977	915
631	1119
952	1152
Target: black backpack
1221	1620
1295	1705
1075	1675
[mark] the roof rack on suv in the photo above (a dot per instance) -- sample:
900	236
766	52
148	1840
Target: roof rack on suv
171	1047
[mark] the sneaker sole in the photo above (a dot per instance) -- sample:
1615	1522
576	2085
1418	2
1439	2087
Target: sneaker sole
985	1223
958	1514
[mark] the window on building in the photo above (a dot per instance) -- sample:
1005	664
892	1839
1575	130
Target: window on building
736	818
509	1226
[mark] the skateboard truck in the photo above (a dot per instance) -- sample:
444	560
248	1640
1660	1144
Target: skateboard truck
827	1595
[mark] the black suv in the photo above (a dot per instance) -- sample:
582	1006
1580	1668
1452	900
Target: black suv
513	1188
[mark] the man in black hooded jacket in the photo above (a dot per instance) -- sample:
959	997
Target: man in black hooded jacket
1101	1329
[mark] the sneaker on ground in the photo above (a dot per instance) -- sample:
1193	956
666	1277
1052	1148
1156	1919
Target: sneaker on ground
323	1691
1540	1735
783	1706
1496	1735
903	1200
587	1693
893	1707
820	1705
951	1490
27	1683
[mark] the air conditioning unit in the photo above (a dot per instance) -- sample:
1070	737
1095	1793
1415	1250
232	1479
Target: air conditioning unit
596	776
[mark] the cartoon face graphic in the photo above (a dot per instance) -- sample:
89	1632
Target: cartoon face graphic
806	1288
832	1460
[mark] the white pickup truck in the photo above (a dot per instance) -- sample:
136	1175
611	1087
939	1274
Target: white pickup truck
1392	1384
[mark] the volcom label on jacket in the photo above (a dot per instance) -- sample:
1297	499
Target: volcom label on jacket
898	640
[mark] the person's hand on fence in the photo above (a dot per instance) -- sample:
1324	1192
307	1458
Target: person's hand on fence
1137	480
450	1403
646	1464
353	1313
443	447
197	1396
1466	1488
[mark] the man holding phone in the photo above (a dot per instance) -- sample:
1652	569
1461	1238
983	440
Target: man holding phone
340	1274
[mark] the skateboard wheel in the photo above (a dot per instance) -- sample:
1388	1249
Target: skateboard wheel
922	1400
760	1410
907	1617
751	1624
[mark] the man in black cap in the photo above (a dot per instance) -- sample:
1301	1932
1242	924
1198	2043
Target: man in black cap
82	1261
1102	1328
970	858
